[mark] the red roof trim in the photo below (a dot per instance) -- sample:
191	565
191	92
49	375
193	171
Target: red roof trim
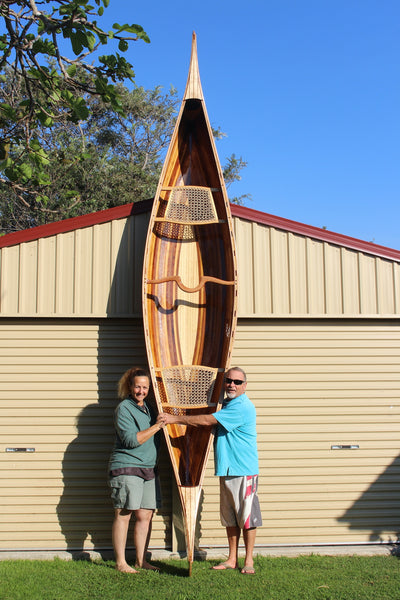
96	218
249	214
313	232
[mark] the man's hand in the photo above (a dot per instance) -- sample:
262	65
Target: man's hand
165	419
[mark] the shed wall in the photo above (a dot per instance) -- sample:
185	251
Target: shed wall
282	274
318	384
96	271
57	395
315	383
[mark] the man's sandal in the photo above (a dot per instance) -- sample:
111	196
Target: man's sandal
248	571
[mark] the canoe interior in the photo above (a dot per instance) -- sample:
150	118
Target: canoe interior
190	277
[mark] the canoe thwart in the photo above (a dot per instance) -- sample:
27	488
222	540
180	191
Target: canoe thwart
203	280
188	386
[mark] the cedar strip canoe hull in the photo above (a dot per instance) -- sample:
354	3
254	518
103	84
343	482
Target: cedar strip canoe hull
190	291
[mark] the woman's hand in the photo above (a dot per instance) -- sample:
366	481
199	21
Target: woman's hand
164	419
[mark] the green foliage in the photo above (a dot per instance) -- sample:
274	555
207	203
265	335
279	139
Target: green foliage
73	138
109	158
51	84
231	173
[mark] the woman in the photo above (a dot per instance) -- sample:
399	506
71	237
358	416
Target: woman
132	462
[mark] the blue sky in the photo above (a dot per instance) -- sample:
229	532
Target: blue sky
307	91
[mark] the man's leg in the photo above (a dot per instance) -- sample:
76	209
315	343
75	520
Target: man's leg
233	535
249	536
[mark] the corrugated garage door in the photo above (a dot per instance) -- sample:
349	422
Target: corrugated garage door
57	394
328	402
327	396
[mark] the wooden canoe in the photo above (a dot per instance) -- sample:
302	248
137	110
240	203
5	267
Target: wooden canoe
190	292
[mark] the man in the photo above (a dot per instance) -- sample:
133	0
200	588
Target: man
236	463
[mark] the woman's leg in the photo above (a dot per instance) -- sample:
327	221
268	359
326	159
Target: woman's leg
142	532
119	534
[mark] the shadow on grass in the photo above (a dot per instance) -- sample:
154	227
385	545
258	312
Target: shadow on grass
164	568
169	569
395	551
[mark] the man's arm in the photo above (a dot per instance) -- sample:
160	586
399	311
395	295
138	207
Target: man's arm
193	420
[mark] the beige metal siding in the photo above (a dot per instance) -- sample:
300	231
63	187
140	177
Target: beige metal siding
282	274
317	384
96	271
57	395
317	379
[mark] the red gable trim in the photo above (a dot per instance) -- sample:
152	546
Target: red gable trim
249	214
313	232
102	216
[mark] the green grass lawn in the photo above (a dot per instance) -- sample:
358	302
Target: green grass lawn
300	578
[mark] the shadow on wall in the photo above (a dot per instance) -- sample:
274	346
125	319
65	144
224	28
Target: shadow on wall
377	510
85	509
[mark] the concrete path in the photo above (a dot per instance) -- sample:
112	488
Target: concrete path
210	553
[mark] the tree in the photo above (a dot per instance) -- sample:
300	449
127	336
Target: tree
119	159
73	138
231	173
52	86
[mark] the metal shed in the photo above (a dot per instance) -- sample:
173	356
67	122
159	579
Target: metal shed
318	334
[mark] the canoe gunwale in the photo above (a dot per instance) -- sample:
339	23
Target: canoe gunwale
206	261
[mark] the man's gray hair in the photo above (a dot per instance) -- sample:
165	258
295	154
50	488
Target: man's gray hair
237	369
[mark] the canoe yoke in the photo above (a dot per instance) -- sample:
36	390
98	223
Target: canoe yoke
186	386
203	280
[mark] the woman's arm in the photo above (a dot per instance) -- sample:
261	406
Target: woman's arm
146	434
205	420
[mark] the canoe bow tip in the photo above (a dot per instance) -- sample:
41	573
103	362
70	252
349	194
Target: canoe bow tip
193	84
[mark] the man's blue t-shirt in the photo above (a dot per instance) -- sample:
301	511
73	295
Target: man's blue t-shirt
235	443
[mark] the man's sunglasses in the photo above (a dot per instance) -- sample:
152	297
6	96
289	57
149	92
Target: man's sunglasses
235	381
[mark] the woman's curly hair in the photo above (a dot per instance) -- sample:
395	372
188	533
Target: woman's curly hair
124	384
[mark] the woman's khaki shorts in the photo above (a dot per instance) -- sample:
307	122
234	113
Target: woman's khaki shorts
132	492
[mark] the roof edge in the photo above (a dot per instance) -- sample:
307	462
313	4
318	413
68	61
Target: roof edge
248	214
66	225
316	233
